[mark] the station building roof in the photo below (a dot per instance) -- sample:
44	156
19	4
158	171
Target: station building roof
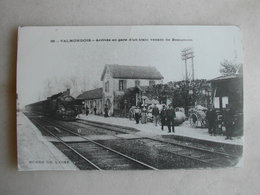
132	72
226	77
91	94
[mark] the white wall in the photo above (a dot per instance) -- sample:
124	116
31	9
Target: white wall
131	83
114	86
109	94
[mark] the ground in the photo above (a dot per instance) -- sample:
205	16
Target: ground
35	152
181	130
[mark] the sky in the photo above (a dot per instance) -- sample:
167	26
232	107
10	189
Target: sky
44	53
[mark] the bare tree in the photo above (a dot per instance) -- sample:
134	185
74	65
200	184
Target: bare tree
229	68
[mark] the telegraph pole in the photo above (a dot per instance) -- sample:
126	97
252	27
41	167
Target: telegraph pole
192	64
187	53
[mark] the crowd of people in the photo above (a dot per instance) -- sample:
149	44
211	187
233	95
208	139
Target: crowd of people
87	110
165	117
227	118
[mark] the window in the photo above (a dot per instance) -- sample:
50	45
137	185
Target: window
224	101
137	82
151	83
216	102
122	85
107	86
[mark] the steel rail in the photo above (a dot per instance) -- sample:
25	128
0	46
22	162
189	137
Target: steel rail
60	140
183	146
178	144
98	126
183	156
107	124
103	146
194	148
167	142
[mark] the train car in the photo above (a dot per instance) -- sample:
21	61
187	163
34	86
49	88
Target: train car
37	107
61	106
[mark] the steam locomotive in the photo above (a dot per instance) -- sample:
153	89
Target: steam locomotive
60	106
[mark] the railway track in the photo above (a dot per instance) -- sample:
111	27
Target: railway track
115	128
208	157
96	155
120	129
204	157
218	159
97	127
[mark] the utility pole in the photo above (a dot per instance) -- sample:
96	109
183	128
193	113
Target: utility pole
192	64
187	53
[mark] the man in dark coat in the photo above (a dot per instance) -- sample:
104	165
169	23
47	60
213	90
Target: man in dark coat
228	119
211	116
87	111
155	113
163	116
106	111
139	103
95	110
170	115
137	112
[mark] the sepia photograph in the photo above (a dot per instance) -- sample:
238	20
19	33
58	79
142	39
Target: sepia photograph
129	97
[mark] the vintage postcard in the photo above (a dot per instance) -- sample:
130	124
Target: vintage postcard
129	97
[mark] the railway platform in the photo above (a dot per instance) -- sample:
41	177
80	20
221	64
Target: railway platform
35	152
183	131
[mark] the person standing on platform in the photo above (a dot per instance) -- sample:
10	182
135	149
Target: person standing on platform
163	116
132	113
211	116
83	110
228	118
155	113
106	111
143	115
137	114
87	110
170	116
95	110
139	103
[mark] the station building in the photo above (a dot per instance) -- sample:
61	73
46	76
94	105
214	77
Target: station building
93	98
116	81
229	90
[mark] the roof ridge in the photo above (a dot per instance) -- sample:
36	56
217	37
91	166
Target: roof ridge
92	89
131	65
132	71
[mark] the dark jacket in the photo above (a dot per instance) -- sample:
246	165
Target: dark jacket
170	114
155	111
87	110
163	114
211	116
228	117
